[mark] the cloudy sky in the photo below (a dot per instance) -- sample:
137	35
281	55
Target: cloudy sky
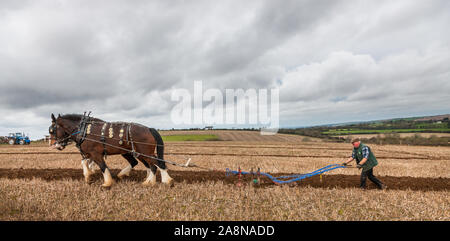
333	61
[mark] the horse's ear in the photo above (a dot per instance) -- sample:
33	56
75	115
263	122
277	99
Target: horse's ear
53	118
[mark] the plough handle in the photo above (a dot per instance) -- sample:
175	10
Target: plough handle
349	166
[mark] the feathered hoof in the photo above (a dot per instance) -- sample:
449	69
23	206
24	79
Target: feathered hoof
107	185
170	183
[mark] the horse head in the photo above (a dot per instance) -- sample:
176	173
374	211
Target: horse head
58	135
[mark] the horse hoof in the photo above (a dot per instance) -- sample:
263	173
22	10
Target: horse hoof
170	183
107	185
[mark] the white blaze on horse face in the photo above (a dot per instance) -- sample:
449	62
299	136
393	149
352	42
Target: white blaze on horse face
125	172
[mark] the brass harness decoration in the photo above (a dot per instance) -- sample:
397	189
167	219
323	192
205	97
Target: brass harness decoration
88	130
121	135
102	138
111	131
122	132
103	130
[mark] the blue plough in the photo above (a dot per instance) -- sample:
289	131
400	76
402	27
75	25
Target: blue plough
289	178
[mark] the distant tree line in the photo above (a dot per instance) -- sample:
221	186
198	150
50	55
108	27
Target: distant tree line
385	138
381	139
399	124
416	139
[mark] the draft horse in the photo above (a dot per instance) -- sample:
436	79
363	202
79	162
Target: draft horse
96	139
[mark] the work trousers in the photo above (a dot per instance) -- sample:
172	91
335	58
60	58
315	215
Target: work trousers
369	174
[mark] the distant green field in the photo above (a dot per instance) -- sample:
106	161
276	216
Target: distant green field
345	131
191	138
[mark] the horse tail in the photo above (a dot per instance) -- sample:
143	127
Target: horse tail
159	145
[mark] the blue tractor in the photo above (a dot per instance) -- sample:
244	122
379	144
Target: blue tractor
18	139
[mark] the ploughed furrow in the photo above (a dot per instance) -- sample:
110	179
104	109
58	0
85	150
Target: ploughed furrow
236	154
193	177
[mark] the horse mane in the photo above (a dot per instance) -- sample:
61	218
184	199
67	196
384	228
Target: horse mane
77	117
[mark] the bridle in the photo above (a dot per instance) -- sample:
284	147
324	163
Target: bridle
80	130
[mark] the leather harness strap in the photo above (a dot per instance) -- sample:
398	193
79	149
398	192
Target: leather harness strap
133	151
83	129
103	139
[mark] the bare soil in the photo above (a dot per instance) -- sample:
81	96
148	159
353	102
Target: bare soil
192	177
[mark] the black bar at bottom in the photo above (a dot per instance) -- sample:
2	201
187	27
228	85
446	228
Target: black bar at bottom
222	230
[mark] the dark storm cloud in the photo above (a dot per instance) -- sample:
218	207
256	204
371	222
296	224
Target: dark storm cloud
271	26
71	52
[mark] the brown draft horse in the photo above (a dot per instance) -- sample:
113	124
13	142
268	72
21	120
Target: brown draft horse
96	139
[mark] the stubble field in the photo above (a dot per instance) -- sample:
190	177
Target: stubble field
38	183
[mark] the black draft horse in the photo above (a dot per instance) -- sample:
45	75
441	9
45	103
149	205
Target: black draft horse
96	138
